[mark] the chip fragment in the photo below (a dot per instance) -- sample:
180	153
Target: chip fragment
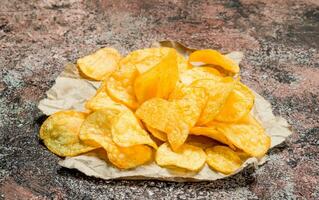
60	133
238	104
126	131
223	159
100	64
187	157
213	57
159	81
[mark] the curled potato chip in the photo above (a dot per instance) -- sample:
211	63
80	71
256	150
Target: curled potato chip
246	134
191	100
102	100
100	64
60	133
159	81
210	56
223	159
120	84
187	156
211	132
126	131
97	130
218	92
238	104
200	141
157	133
167	117
197	73
145	59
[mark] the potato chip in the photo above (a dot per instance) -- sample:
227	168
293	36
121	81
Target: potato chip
213	57
200	141
246	134
145	59
100	64
223	159
102	100
191	100
120	84
97	130
211	132
218	92
238	104
159	81
60	133
129	157
187	156
157	133
197	73
126	131
167	117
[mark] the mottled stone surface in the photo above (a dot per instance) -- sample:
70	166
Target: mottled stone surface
280	40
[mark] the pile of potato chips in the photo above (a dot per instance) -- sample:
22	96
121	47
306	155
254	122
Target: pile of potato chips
155	104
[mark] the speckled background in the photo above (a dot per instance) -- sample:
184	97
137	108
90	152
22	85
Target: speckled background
280	39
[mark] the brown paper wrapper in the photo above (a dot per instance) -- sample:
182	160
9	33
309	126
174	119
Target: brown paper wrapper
70	91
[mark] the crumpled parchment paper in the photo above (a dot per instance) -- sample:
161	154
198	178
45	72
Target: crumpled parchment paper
70	91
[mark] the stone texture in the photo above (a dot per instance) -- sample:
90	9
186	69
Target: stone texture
279	38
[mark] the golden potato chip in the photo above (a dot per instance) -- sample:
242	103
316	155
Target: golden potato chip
145	59
211	132
60	133
218	92
187	157
246	134
100	64
167	117
223	159
159	81
129	157
126	131
200	141
120	84
213	57
157	133
191	100
197	73
97	130
102	100
238	104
